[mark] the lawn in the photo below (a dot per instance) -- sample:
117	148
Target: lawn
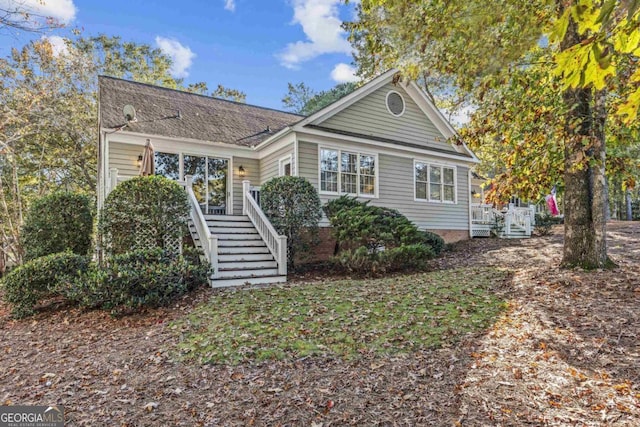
344	318
432	349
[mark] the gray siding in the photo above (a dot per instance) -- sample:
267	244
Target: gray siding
252	170
124	157
370	116
397	191
269	166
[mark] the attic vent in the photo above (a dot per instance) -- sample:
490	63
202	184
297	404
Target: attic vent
395	103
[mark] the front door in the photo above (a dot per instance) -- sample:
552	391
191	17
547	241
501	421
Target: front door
210	177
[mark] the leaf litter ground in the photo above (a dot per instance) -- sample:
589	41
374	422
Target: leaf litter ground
564	352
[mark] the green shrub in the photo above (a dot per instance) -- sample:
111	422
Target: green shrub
546	221
292	205
375	239
144	213
434	241
333	207
41	278
58	222
148	277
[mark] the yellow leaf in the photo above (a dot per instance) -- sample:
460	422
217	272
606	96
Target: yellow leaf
559	28
629	110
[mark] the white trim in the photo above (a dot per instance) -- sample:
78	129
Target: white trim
286	160
359	153
326	138
275	146
296	156
167	145
429	164
469	195
272	138
386	103
229	200
137	136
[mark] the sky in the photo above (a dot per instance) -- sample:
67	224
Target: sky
256	46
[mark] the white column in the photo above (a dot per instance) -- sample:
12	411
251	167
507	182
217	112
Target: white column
246	187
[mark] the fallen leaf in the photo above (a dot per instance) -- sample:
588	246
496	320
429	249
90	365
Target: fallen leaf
150	406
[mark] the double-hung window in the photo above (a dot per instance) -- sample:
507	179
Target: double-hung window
434	183
347	172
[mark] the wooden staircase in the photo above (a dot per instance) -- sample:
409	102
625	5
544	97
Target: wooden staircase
243	256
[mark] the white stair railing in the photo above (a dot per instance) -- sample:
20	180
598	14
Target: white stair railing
208	241
519	218
276	243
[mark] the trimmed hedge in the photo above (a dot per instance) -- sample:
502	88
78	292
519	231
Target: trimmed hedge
144	212
292	205
58	222
141	278
41	278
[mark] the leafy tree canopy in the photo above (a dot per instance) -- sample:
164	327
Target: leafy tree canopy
301	99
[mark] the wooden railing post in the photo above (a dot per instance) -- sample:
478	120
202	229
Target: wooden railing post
213	254
113	178
282	255
246	187
188	179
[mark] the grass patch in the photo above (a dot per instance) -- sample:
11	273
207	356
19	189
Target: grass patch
342	318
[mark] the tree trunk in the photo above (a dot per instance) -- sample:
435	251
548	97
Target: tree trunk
585	185
627	195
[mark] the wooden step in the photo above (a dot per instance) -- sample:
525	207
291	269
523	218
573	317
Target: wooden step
246	265
240	250
235	227
222	283
238	236
241	243
238	274
235	218
237	257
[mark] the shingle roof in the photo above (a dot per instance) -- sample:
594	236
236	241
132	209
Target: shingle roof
201	117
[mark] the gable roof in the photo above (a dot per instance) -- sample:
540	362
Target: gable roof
315	120
201	117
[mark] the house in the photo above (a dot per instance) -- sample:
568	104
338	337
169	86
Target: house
385	142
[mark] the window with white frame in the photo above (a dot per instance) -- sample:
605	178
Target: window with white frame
347	172
434	183
285	166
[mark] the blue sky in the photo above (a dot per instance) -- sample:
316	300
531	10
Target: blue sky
256	46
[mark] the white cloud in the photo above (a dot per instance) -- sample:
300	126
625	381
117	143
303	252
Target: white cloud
63	11
230	5
58	44
321	24
182	56
344	73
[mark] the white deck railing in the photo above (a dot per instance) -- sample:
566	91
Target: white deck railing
481	213
484	220
276	243
208	241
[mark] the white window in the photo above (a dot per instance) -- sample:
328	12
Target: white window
348	172
434	183
285	166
